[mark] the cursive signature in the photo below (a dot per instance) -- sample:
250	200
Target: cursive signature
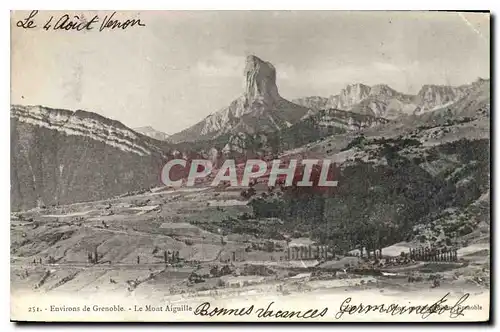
425	311
66	22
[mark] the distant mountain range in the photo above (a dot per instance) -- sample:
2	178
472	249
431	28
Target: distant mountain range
262	109
153	133
382	101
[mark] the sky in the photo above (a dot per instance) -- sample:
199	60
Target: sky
184	65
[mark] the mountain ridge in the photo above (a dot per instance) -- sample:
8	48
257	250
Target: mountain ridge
60	156
383	101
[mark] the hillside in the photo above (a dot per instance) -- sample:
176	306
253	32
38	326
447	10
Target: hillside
423	179
60	156
312	127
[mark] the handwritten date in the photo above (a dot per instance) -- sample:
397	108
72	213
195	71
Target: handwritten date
66	22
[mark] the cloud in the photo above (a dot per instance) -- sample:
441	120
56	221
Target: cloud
371	73
221	64
328	78
286	72
386	67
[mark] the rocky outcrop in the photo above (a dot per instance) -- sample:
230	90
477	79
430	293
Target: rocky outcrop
313	126
251	145
350	95
260	108
348	121
313	102
431	97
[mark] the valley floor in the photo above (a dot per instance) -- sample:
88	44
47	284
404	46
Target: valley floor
134	238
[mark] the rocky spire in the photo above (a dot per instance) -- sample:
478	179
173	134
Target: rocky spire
260	80
260	108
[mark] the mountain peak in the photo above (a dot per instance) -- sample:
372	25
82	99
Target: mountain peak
152	132
352	94
382	89
356	88
260	81
259	109
253	58
356	85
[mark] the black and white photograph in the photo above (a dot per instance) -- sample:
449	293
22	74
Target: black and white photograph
250	166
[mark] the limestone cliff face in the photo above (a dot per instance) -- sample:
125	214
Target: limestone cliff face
352	94
379	100
259	108
433	96
260	78
382	101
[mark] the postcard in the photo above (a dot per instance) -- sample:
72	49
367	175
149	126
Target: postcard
250	166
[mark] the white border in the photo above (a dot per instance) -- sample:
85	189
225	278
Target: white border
191	5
